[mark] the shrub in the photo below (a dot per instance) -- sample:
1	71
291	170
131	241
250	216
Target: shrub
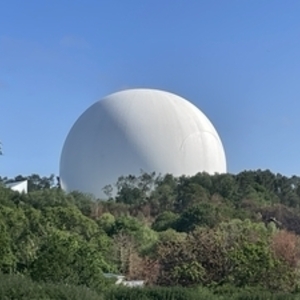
15	287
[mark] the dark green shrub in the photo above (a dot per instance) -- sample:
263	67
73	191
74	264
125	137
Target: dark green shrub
15	287
159	293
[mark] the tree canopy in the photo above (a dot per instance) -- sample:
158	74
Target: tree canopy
240	230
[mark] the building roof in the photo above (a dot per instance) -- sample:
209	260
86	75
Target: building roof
19	186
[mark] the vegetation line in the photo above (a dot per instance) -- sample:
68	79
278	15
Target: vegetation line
204	236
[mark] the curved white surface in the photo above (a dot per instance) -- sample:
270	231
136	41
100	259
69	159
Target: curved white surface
138	129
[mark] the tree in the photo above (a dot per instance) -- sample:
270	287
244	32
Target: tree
125	253
106	222
203	214
68	259
70	219
134	190
163	196
189	193
143	236
7	259
164	221
251	257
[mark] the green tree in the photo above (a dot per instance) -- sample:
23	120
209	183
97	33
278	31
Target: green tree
164	221
7	259
70	219
68	259
164	195
252	260
189	193
135	190
106	222
203	214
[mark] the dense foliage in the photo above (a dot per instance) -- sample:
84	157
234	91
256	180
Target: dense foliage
15	287
214	232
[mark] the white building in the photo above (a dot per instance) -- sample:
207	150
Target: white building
19	186
120	280
134	130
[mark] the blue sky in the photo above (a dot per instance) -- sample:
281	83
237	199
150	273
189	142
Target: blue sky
238	61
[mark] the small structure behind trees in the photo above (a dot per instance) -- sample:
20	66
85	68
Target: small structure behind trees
18	186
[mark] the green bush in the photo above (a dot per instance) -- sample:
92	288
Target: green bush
180	293
15	287
159	293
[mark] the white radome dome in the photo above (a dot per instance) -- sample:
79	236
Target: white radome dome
134	130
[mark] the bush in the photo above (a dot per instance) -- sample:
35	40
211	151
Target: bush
15	287
159	293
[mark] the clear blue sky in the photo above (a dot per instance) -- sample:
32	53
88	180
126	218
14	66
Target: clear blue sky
237	60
